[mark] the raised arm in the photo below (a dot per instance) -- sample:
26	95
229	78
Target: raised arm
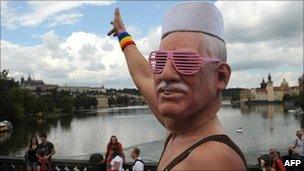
138	67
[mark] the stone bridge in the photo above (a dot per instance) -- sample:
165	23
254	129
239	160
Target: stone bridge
17	163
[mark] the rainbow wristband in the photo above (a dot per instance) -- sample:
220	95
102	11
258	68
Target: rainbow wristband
125	40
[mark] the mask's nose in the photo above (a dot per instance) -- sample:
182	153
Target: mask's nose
169	73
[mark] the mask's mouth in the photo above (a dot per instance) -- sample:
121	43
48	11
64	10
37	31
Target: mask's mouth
169	91
172	88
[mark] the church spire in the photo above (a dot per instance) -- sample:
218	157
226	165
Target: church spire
29	77
269	77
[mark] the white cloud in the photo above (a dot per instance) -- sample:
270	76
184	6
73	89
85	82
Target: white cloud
65	19
150	42
244	79
263	36
263	55
39	11
134	31
87	52
254	21
92	61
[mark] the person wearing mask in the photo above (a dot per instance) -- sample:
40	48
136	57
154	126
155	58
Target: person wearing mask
182	81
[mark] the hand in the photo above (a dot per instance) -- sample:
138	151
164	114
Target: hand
41	159
118	25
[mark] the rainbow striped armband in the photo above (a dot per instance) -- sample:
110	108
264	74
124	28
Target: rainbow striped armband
125	40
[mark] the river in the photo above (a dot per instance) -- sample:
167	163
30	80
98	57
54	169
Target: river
78	136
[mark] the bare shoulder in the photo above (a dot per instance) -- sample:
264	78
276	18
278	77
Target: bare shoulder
214	156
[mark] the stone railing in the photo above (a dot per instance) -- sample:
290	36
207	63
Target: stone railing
18	164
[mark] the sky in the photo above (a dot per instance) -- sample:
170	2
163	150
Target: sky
66	42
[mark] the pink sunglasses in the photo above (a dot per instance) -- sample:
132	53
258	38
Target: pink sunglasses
184	62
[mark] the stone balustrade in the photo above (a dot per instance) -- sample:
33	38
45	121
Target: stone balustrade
18	164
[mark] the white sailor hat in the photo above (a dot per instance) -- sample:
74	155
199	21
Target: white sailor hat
202	17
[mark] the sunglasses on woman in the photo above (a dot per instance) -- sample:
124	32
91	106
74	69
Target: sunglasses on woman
184	62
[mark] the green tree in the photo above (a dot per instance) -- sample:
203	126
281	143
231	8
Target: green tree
86	102
93	101
299	101
77	102
122	100
29	103
55	97
66	104
10	98
286	97
45	104
111	101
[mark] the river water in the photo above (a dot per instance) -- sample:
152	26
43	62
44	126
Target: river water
78	136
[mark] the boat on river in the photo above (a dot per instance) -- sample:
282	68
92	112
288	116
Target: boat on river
297	111
239	130
5	126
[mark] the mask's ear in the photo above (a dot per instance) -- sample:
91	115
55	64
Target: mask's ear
224	73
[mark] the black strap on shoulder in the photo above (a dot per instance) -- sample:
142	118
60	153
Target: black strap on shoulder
165	145
219	138
139	161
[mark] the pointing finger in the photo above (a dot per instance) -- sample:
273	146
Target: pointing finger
117	11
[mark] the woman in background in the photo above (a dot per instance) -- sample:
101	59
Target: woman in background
276	157
113	144
117	160
31	157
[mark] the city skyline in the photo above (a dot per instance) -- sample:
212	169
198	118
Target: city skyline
258	84
42	38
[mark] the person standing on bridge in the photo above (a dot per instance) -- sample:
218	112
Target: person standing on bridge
31	158
138	164
113	144
182	82
297	148
45	151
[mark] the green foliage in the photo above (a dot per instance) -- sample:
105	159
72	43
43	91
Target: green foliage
122	100
77	102
287	97
29	103
132	91
85	101
93	101
299	100
47	104
66	104
111	101
233	93
10	97
17	103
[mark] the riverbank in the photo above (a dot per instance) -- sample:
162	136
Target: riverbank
79	135
80	112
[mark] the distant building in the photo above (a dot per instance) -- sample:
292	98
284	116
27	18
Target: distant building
83	89
268	93
33	84
103	101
